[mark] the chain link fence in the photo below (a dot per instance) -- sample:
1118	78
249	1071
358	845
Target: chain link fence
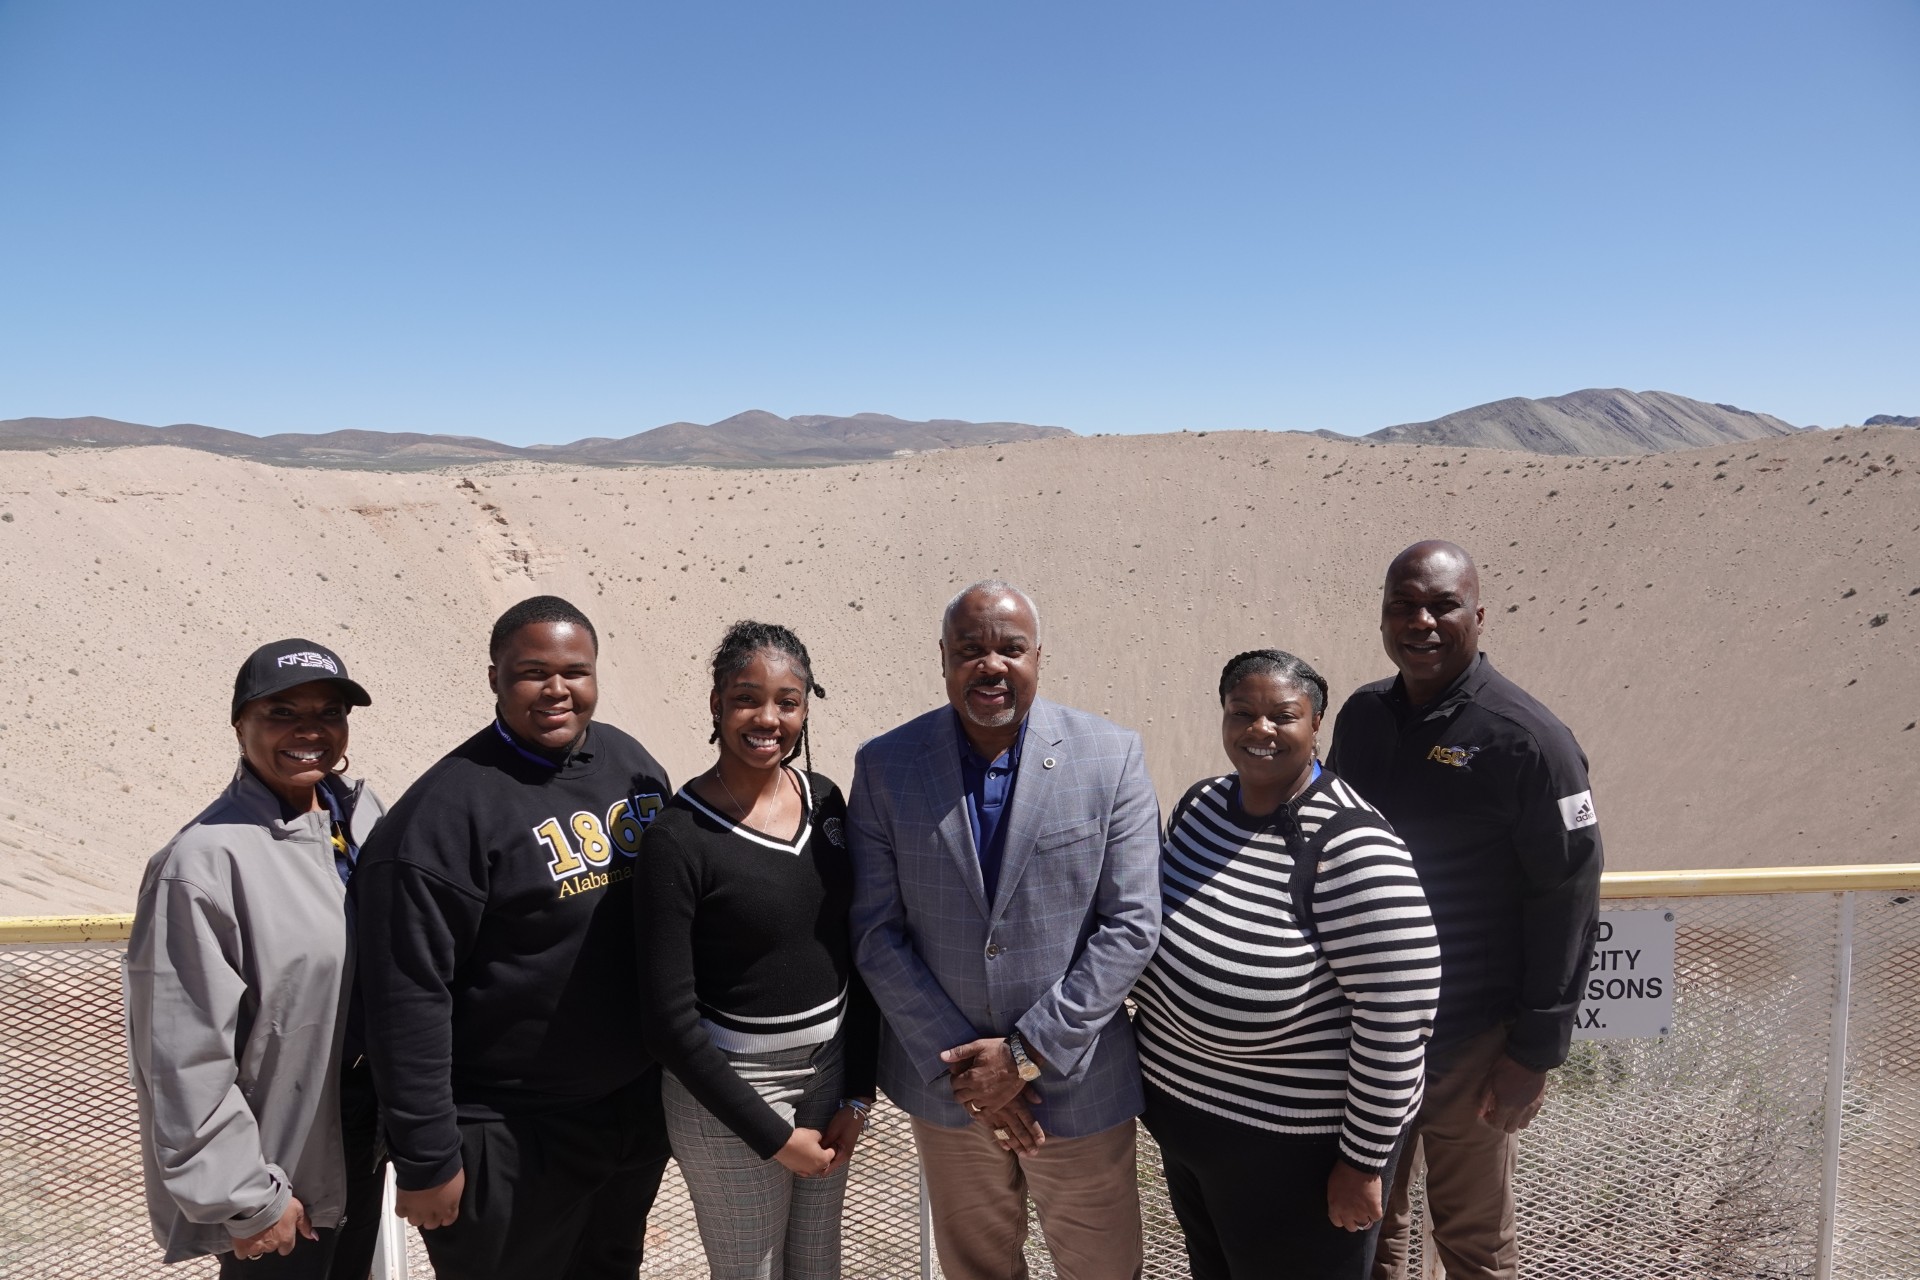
70	1198
1713	1153
1774	1133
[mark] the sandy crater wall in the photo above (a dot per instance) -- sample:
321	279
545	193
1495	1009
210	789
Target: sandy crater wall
1704	620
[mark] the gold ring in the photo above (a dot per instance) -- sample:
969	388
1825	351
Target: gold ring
1003	1135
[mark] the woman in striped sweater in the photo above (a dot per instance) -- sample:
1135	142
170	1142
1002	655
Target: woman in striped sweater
1283	1020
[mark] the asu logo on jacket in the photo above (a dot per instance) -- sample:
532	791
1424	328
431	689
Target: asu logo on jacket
580	847
1458	757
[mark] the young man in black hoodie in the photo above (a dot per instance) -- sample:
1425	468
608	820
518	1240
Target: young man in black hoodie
496	959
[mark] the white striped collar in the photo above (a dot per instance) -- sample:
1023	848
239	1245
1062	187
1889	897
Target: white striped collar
796	846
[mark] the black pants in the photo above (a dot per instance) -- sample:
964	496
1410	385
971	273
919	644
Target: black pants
1253	1205
559	1196
344	1252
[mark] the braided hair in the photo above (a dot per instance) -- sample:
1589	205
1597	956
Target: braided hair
738	647
1277	662
1296	671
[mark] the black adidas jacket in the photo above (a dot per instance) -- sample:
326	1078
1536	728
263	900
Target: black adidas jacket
1489	790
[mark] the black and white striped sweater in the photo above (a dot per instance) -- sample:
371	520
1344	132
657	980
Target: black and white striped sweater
1245	1014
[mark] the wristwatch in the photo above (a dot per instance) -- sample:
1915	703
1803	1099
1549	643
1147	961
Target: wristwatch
1029	1070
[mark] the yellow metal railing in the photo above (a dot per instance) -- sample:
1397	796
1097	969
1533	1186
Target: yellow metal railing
65	928
1711	882
1716	881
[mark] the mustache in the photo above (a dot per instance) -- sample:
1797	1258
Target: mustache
989	682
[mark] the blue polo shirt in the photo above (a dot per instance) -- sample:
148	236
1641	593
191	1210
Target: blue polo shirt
988	787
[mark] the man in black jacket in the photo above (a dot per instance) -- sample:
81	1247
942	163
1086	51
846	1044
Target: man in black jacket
1490	792
497	962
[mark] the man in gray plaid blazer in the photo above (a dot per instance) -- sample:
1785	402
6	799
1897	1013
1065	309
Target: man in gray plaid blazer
1006	857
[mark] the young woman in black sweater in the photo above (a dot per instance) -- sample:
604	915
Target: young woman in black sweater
749	995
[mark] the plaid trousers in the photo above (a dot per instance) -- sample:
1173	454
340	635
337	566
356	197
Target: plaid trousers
757	1220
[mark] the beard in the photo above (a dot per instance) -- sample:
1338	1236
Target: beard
996	720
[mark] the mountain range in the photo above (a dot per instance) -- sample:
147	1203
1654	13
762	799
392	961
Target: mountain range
754	438
1597	422
1607	422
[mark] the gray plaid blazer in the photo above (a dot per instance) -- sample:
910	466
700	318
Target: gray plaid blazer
1074	921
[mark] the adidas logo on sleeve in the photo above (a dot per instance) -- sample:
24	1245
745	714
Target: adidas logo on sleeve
1577	811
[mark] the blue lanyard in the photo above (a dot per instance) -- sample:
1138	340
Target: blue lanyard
344	863
1289	804
525	754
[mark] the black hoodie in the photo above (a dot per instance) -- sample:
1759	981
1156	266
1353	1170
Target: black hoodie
496	939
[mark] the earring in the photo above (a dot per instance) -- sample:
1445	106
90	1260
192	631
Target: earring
342	766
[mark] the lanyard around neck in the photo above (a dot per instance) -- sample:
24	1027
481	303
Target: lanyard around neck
525	754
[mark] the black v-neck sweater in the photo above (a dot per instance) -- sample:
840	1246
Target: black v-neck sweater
744	947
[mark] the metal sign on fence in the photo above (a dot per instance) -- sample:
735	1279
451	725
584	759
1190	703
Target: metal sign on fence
1629	992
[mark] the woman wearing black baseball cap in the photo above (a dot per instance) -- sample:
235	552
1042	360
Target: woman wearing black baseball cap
256	1107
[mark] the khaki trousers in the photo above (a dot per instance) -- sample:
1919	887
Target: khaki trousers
1469	1175
1085	1191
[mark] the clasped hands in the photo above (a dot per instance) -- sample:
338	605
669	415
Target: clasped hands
987	1083
813	1153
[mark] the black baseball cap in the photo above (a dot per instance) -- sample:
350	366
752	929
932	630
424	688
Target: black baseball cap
286	663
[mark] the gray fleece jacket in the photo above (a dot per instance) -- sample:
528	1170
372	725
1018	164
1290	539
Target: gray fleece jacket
237	979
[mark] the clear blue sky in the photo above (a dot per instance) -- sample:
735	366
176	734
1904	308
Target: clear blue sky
538	222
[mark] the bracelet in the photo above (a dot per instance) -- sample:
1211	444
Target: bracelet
864	1108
